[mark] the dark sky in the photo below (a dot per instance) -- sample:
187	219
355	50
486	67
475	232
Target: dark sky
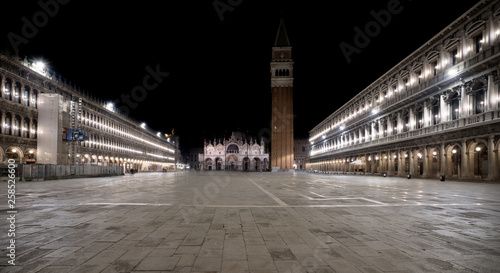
219	77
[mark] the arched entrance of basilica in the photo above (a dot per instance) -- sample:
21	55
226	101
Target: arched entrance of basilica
208	164
257	164
218	163
246	164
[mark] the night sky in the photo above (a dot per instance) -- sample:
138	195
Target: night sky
213	67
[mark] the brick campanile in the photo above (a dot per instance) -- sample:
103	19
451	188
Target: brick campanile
282	101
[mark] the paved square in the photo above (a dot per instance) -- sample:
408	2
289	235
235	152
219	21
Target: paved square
253	222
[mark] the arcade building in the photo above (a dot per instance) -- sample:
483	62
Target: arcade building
436	113
39	113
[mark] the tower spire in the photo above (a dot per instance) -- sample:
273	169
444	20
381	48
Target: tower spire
282	37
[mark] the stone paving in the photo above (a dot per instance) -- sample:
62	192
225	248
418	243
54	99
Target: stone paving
253	222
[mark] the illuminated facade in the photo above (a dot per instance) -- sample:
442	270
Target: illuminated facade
111	139
235	154
435	113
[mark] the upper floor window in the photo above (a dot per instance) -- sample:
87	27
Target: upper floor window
17	126
454	56
17	93
420	119
478	42
7	124
479	102
435	114
419	75
26	94
8	89
434	65
406	126
33	129
25	129
406	83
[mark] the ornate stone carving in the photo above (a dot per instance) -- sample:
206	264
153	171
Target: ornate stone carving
477	84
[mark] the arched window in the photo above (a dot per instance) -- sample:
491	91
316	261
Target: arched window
17	126
233	148
8	124
8	89
33	129
34	98
17	93
26	95
26	128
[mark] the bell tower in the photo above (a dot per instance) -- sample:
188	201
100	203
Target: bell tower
282	101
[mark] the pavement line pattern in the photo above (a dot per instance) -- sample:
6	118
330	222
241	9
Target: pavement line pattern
279	201
317	194
124	204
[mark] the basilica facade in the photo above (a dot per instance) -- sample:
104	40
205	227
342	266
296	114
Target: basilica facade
434	114
236	153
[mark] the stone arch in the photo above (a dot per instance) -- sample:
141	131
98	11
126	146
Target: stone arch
86	158
453	153
418	161
405	162
14	152
266	163
209	164
232	149
246	164
256	164
219	164
30	156
232	162
363	166
394	164
478	158
434	158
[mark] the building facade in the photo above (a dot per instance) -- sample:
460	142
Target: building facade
282	101
437	112
38	110
193	159
234	154
300	153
